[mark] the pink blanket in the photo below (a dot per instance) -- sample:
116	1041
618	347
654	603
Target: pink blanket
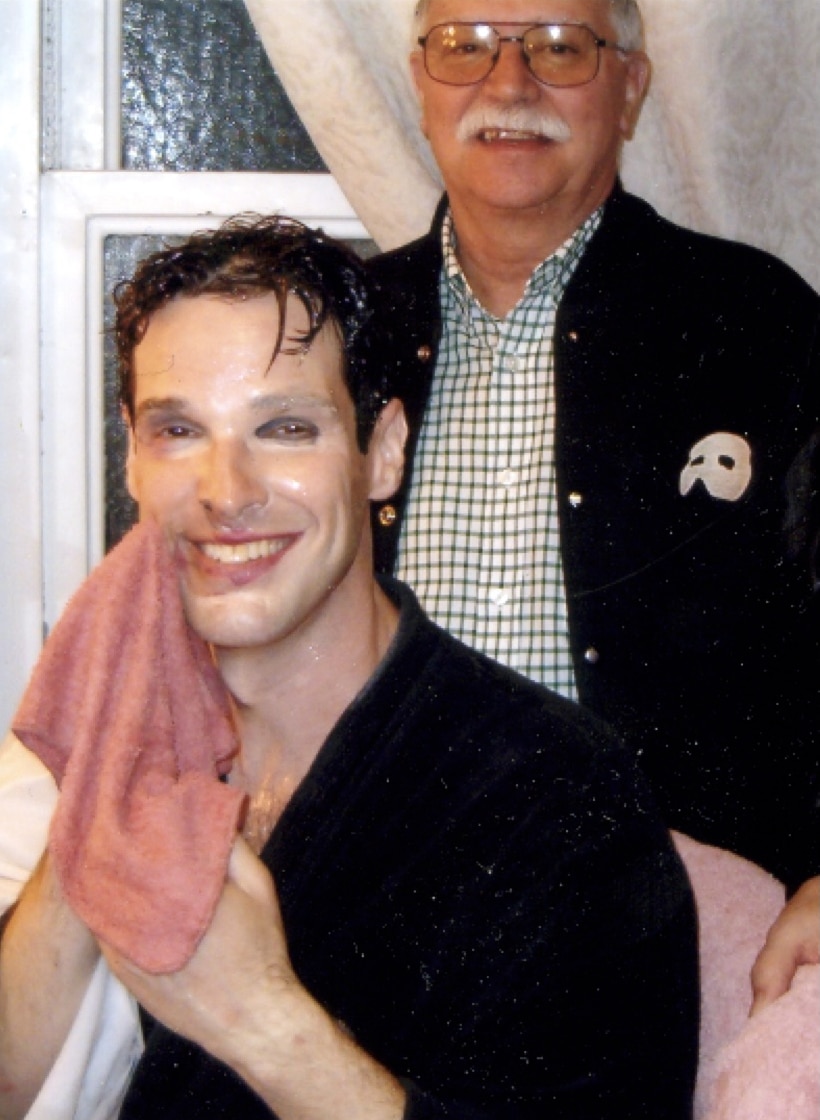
128	711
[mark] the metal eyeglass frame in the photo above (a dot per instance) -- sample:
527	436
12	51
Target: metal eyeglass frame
599	43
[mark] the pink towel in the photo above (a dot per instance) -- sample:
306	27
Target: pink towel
768	1067
129	712
771	1071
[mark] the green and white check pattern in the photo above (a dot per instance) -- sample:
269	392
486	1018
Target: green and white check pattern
480	544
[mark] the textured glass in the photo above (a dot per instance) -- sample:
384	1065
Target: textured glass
199	94
121	254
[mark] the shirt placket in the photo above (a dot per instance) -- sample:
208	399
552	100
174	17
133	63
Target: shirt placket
499	575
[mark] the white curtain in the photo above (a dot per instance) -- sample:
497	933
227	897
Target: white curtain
729	141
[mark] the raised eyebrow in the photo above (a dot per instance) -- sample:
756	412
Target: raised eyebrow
266	403
280	403
160	404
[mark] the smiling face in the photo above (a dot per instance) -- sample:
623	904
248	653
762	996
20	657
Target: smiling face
253	470
513	170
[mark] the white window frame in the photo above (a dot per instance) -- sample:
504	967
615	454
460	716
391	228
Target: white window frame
60	66
20	529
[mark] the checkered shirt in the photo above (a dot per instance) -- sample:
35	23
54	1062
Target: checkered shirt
480	544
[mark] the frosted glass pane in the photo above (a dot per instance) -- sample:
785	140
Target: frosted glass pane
198	93
121	256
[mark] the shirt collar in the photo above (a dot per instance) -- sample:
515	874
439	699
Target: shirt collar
552	275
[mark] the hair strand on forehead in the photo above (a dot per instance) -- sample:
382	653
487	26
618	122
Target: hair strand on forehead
251	256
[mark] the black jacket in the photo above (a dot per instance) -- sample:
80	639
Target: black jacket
688	625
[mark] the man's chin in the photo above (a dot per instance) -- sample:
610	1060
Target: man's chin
230	621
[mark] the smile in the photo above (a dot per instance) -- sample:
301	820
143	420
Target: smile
490	135
243	553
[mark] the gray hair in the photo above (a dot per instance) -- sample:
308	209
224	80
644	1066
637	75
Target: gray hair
625	14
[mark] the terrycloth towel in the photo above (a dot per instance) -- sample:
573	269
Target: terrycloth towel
768	1067
129	712
771	1071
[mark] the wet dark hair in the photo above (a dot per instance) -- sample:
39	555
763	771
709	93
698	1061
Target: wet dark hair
803	513
251	256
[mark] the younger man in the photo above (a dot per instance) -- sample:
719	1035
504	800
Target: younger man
453	897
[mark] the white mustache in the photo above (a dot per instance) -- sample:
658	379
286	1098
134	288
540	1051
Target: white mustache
517	118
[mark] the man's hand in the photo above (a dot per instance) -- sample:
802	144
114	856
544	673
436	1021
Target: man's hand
47	957
794	939
240	968
239	999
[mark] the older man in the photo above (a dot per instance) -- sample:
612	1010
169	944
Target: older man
462	901
602	408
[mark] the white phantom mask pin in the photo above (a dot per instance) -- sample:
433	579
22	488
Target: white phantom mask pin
723	463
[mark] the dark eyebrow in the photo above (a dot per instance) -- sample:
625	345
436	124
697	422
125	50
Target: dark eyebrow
160	404
283	402
269	402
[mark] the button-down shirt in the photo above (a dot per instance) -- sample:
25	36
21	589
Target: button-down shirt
481	543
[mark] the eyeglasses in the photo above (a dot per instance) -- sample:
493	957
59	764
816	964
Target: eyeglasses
557	54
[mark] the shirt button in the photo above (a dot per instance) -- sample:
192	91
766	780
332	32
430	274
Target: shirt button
510	363
424	353
498	596
576	499
591	656
508	478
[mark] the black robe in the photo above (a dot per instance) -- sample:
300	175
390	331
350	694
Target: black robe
475	881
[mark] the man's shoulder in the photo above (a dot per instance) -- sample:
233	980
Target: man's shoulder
416	259
405	291
416	264
525	750
490	710
636	235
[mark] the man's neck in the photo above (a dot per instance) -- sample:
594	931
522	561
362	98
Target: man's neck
289	696
499	251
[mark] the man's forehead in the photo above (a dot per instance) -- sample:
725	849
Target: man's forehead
229	315
515	11
236	337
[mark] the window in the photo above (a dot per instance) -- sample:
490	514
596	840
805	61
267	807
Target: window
158	117
198	93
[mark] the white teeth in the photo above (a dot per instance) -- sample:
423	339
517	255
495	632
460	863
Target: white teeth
242	553
491	134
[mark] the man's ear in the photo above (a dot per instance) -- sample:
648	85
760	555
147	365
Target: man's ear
386	451
130	456
416	71
638	77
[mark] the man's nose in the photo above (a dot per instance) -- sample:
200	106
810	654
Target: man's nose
511	75
230	485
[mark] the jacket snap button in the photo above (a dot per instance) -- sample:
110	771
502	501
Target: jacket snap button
424	353
576	499
591	656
